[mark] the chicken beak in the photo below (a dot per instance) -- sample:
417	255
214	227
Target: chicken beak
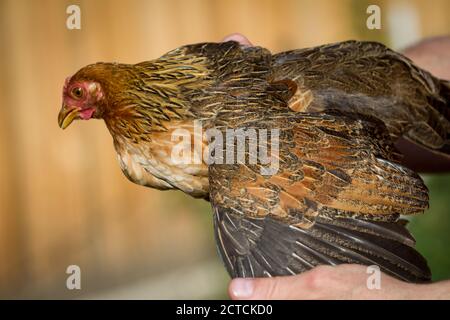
67	115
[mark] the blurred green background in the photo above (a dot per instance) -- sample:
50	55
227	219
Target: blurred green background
63	199
432	230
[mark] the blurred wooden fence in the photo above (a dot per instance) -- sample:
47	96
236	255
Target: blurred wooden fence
63	199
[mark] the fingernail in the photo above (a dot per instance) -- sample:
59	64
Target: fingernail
242	288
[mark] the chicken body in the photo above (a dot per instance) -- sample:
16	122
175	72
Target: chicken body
340	188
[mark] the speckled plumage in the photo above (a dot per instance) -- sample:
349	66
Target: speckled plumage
340	188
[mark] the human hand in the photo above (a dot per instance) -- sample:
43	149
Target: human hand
346	281
432	54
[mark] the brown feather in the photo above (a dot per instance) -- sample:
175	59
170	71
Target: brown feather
339	190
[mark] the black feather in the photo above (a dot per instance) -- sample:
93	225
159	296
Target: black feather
261	247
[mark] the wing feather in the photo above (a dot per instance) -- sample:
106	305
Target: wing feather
336	198
274	248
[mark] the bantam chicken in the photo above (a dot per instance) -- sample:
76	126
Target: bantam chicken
340	188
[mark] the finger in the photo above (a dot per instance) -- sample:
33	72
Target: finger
238	38
291	287
323	282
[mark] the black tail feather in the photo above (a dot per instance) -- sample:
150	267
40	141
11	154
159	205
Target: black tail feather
252	247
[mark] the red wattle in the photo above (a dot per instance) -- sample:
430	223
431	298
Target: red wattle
86	114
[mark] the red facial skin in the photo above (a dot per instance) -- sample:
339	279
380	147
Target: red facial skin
87	103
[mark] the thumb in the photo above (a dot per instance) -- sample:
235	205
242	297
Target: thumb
263	288
238	38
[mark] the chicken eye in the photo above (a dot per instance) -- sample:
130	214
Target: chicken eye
77	92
